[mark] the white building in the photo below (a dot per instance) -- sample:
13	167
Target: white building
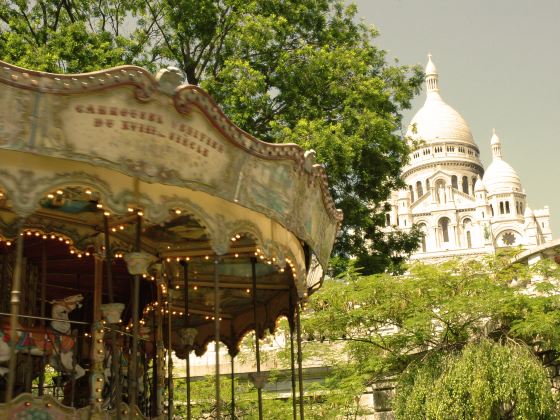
462	208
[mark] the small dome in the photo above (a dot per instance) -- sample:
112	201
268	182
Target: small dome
528	213
479	185
501	177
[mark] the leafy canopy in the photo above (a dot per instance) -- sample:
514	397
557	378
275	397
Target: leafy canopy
301	71
421	323
486	380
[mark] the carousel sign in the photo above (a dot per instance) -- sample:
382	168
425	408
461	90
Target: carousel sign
159	131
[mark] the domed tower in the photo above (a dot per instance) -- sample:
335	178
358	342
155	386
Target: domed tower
441	139
513	223
461	209
443	168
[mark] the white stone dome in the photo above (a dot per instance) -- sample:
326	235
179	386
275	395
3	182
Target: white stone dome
436	121
500	176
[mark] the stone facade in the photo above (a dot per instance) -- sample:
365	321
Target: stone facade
462	208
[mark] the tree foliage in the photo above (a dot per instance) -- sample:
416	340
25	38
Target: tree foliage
423	322
301	71
486	380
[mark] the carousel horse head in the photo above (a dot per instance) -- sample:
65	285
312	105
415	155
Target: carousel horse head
60	310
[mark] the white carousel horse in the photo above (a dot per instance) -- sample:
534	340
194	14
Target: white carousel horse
55	342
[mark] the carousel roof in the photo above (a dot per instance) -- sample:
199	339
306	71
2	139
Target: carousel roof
121	145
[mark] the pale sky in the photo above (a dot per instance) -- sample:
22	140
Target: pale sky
499	66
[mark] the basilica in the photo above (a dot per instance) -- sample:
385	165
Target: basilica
462	208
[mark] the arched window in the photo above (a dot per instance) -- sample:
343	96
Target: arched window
491	210
427	185
419	189
424	231
411	192
507	207
473	180
465	185
387	219
444	229
467	227
501	207
454	182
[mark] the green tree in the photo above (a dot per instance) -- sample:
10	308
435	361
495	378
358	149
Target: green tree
388	324
301	71
486	380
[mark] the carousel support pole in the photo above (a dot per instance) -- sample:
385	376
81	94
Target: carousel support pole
41	384
300	361
96	373
217	334
97	333
155	399
153	396
169	360
292	359
74	363
258	383
14	301
4	281
133	367
187	324
97	287
232	382
115	358
159	368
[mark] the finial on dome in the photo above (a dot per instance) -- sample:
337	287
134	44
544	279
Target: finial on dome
496	145
430	67
431	76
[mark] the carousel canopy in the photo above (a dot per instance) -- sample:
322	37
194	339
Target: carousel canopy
77	150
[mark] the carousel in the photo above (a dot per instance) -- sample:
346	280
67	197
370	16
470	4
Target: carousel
137	222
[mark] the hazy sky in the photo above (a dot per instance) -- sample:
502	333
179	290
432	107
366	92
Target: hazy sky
499	66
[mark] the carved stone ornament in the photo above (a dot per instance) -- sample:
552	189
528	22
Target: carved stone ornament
112	312
138	262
